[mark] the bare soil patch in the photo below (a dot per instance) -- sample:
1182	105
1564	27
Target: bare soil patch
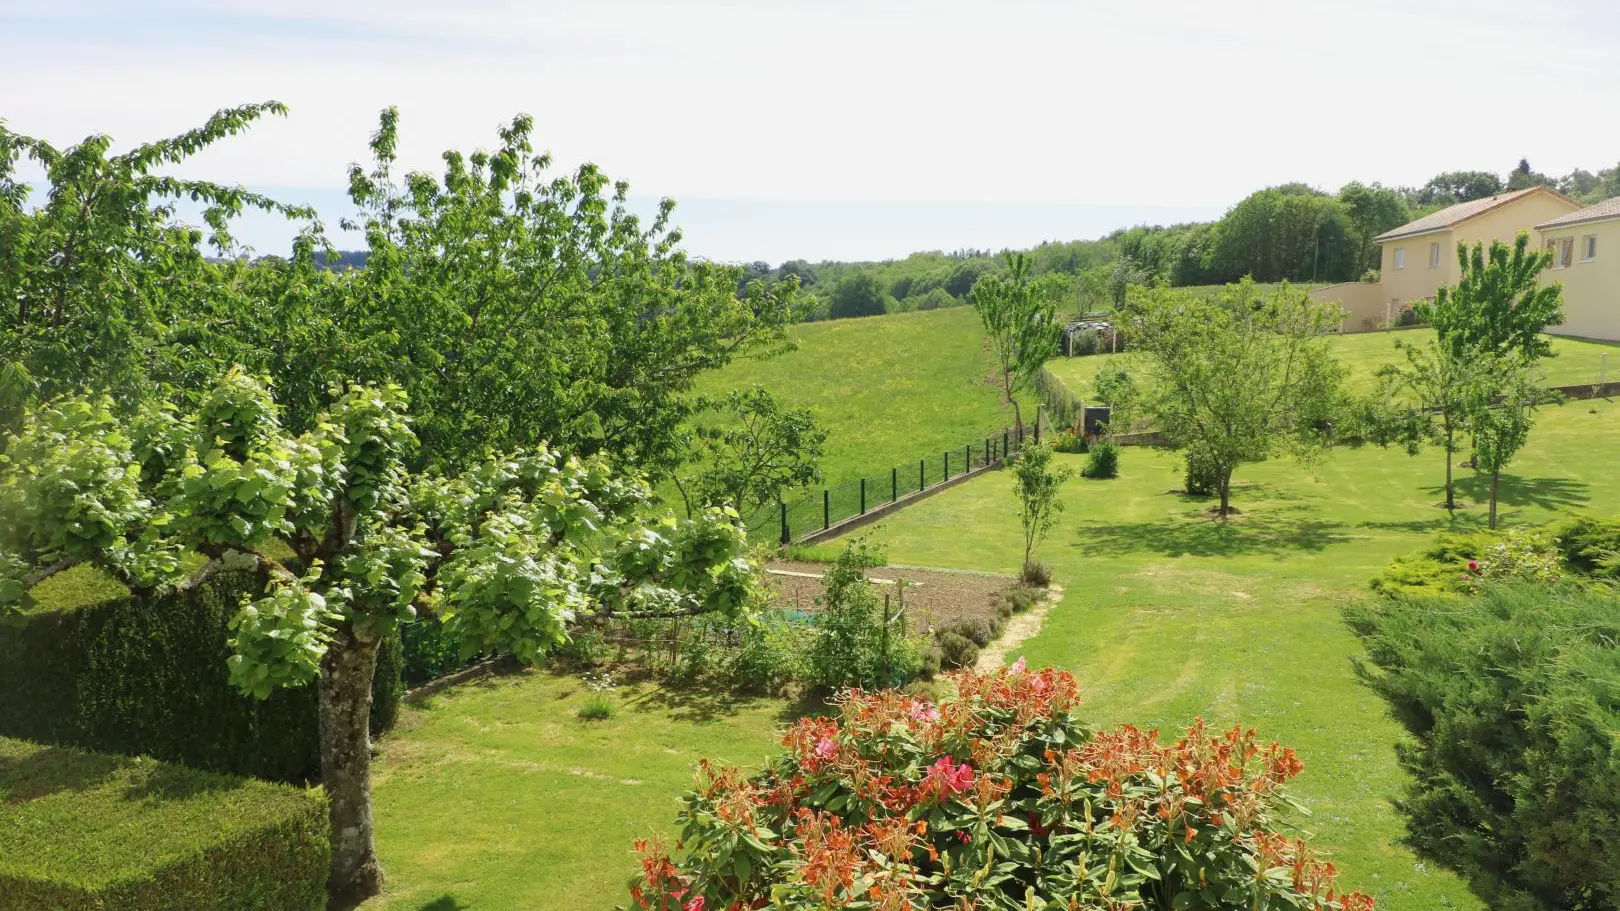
934	597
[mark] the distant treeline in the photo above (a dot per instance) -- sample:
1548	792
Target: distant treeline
1290	232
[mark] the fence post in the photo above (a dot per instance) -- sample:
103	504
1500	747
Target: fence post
1005	439
787	537
863	495
922	475
967	457
947	466
826	509
894	484
987	450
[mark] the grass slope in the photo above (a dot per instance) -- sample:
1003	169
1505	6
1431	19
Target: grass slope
1169	616
889	389
1575	360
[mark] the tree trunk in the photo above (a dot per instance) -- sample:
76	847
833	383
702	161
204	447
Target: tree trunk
345	711
1226	493
1496	484
1451	501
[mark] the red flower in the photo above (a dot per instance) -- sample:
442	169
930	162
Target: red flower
947	777
1473	566
963	837
695	904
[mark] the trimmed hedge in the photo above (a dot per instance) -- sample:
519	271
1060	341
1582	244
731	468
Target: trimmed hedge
94	667
87	831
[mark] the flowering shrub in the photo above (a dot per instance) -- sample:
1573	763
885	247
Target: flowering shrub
995	797
1519	556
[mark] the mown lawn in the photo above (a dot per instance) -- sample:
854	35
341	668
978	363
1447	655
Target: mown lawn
889	389
498	796
1169	615
1575	360
495	795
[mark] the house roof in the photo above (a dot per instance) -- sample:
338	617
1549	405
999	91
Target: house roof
1603	211
1461	212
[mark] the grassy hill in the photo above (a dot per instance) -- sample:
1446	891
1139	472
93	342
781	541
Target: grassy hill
889	389
1574	360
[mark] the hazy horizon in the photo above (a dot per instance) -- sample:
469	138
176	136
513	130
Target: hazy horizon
847	131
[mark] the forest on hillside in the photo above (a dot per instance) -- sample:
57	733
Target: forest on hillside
1290	232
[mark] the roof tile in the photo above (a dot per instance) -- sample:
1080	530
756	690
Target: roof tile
1451	215
1609	208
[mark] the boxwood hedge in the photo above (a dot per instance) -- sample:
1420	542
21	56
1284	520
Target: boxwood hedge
82	830
92	666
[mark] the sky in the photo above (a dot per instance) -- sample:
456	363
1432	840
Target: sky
843	129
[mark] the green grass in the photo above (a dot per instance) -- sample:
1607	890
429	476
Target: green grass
1169	616
501	796
497	795
1575	360
889	389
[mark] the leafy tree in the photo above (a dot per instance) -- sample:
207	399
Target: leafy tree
966	275
757	451
1036	483
1238	375
1282	233
1122	276
797	269
859	294
1498	306
1115	387
1522	176
1372	210
508	553
1443	389
99	286
1453	187
1501	421
540	308
935	299
1020	317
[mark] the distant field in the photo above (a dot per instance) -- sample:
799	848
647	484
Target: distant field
889	389
1363	353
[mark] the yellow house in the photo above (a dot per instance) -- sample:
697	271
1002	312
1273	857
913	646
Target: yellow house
1420	256
1586	258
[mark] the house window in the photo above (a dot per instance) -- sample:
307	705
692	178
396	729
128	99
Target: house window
1588	248
1434	255
1566	252
1400	257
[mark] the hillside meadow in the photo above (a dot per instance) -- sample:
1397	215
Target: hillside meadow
889	389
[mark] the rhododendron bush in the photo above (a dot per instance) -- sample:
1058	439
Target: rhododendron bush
995	797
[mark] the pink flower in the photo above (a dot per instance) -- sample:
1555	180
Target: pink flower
946	777
1473	566
826	748
695	904
1017	666
923	711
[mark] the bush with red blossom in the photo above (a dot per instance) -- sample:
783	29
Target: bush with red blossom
996	797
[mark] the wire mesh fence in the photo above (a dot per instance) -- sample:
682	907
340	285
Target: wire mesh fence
820	510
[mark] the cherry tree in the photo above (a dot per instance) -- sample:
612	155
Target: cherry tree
511	552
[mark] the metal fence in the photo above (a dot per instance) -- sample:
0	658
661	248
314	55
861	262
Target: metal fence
793	520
